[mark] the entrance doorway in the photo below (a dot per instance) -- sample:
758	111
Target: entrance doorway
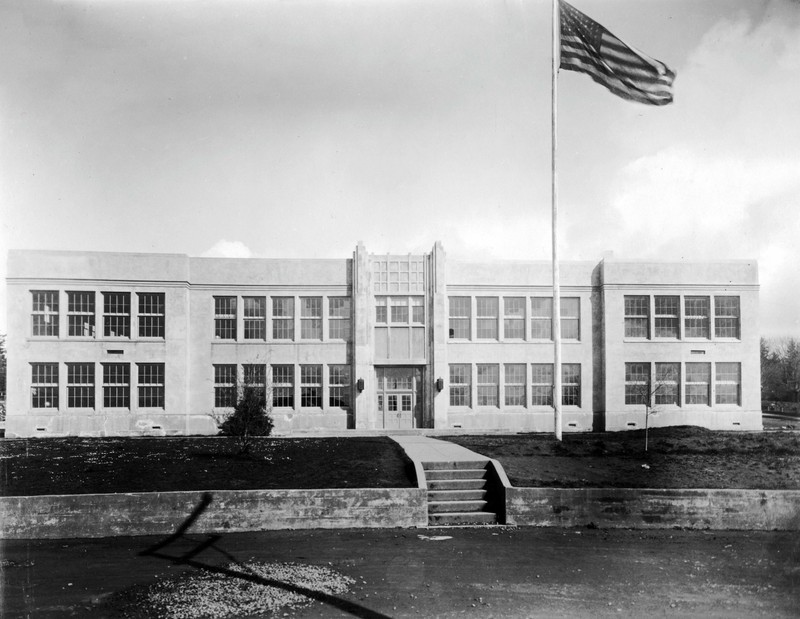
400	397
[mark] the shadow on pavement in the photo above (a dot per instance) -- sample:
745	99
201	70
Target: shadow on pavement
210	541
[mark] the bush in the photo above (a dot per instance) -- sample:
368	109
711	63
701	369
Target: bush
249	419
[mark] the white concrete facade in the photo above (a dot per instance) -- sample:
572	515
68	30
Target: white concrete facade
156	344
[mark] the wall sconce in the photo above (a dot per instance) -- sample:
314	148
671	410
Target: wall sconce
360	385
439	384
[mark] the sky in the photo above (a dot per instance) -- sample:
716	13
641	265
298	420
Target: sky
296	129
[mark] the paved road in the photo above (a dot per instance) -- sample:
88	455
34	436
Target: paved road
479	572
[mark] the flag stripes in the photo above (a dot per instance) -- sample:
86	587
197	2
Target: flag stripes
587	47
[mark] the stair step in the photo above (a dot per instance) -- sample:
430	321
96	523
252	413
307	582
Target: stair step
455	474
456	495
456	484
461	518
461	464
438	507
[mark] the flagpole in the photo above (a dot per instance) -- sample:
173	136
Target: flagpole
556	284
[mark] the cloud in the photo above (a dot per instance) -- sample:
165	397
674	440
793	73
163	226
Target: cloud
228	249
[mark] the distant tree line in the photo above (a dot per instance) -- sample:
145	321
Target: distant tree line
780	370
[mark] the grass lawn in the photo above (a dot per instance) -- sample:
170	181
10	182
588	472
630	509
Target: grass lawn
100	465
678	457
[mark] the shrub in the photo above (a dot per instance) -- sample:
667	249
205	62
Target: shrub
249	419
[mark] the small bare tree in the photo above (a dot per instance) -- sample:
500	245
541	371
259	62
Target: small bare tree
652	393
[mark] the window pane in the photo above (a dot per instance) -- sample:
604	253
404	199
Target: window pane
542	318
514	384
667	387
45	313
255	318
283	318
116	385
44	385
696	317
698	383
488	384
283	386
311	386
225	318
637	315
80	312
151	314
460	384
151	385
339	386
728	386
726	317
460	317
311	318
542	384
487	311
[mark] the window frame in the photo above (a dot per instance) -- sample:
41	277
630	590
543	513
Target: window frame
459	320
311	385
692	396
311	318
150	386
694	323
488	390
635	320
542	384
116	385
283	310
83	309
225	382
44	385
283	389
81	385
116	313
254	318
44	315
726	381
730	322
225	323
514	318
515	385
152	315
460	385
339	318
487	318
339	385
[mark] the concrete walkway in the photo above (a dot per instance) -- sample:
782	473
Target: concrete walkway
425	449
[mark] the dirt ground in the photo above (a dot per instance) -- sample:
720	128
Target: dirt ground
482	572
102	465
679	457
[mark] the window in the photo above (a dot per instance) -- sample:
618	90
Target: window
283	318
45	312
283	386
514	318
571	384
80	314
225	318
460	316
311	318
44	385
255	318
151	314
339	386
460	384
151	385
637	316
224	386
698	383
726	317
667	316
311	386
255	378
398	274
542	318
488	384
728	383
116	385
515	384
80	385
339	318
668	380
487	318
570	318
542	384
117	314
399	309
381	316
418	310
696	317
637	383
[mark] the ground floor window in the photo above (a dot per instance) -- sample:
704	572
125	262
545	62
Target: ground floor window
698	383
283	386
488	384
637	383
542	384
728	384
224	386
668	381
571	384
80	385
339	386
44	385
515	384
116	385
460	384
255	378
151	385
311	386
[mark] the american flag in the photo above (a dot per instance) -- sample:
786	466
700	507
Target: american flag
589	48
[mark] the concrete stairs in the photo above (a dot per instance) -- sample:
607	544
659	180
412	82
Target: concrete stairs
458	493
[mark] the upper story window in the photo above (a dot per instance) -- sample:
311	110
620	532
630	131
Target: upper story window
117	314
225	318
339	318
460	316
542	318
514	318
667	316
399	310
80	314
637	316
311	318
696	317
398	274
381	316
151	314
283	318
45	313
726	317
255	318
487	312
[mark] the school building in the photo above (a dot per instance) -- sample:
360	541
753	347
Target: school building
159	344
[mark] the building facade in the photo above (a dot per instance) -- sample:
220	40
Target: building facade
160	344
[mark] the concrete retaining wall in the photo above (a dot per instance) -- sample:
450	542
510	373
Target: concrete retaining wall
105	515
654	508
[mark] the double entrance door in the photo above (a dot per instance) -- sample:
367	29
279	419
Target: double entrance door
400	397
